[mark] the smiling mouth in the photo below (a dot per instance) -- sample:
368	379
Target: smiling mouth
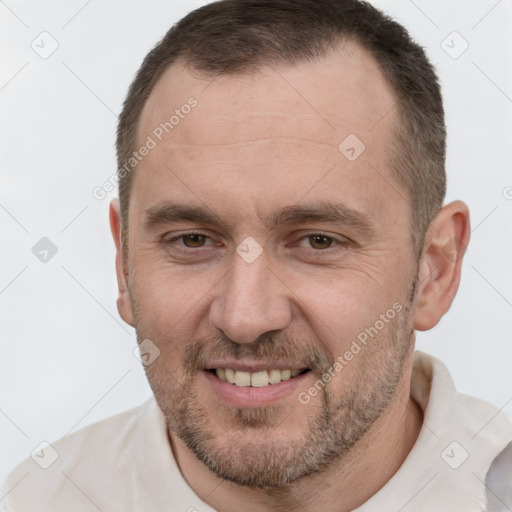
255	379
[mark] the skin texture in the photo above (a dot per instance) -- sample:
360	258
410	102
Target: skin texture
255	144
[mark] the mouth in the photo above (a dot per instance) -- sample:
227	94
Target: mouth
254	383
257	379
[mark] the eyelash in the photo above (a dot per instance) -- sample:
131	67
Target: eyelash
338	242
183	235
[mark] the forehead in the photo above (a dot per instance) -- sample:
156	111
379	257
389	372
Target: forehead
274	135
345	90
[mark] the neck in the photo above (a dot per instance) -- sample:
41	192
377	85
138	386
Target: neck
345	485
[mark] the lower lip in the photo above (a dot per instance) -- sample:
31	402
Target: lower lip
251	396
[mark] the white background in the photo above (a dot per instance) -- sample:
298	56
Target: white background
66	356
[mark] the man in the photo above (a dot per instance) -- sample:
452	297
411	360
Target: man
280	236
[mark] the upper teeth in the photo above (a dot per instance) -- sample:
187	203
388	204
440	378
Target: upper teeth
255	379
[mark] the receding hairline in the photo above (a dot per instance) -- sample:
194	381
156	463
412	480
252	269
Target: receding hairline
231	36
349	44
345	44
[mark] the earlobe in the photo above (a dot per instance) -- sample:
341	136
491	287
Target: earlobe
124	304
441	264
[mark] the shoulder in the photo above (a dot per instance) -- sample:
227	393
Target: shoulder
76	468
499	482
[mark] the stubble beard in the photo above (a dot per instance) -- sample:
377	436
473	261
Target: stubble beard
255	453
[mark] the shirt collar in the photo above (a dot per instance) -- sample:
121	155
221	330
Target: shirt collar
445	470
460	437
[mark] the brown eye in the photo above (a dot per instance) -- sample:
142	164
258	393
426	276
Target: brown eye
320	241
194	240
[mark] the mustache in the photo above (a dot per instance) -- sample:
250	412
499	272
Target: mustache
268	347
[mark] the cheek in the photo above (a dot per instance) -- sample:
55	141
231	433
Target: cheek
170	301
341	307
168	315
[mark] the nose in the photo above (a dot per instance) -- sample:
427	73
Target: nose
251	301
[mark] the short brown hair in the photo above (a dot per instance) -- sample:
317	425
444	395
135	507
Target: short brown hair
232	36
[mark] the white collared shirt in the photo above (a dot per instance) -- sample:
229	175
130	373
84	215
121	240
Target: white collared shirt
125	463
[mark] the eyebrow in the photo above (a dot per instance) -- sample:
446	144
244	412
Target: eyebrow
323	211
168	212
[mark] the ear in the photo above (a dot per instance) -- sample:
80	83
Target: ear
440	266
124	303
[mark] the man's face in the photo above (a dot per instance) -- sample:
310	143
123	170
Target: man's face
258	157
